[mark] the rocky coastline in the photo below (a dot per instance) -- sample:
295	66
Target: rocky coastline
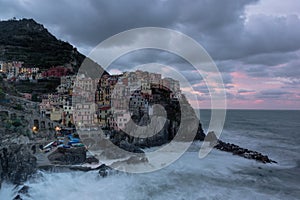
18	163
20	157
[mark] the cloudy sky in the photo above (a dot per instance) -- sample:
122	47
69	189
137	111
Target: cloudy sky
254	43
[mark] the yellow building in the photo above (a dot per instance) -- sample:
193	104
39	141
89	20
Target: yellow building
56	114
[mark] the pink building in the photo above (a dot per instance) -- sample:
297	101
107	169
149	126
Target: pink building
27	96
58	71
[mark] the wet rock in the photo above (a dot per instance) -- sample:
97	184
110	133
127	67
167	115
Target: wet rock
123	150
130	147
246	153
211	138
18	197
65	156
200	133
33	149
104	170
132	160
91	160
16	163
24	190
113	153
117	152
156	134
1	171
136	160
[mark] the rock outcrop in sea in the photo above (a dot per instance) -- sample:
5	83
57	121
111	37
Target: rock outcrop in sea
245	153
236	150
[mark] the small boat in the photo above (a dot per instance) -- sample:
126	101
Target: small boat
60	141
77	145
64	146
48	145
73	141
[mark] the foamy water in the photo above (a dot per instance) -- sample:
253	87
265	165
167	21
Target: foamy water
218	176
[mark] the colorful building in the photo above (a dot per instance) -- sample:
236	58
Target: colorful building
58	71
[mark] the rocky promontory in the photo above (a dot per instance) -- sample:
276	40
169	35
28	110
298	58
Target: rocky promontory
245	153
19	150
236	150
179	122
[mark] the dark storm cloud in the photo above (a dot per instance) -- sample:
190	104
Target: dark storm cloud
89	22
219	25
289	70
259	35
226	78
257	44
152	56
193	77
228	65
273	94
243	91
258	70
270	59
201	88
230	96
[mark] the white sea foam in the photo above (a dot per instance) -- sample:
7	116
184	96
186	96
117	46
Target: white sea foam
7	191
218	176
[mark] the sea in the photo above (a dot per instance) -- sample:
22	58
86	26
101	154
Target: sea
220	175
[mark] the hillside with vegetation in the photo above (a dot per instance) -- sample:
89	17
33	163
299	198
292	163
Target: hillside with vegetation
27	41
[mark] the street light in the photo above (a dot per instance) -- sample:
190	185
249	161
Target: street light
34	129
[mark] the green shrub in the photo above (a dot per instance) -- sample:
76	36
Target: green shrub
18	107
17	123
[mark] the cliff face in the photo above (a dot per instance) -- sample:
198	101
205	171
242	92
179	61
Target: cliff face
26	40
177	122
16	163
179	125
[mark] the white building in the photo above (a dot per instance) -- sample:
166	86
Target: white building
84	114
121	118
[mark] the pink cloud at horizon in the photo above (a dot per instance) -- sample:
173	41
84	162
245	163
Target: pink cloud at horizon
246	92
